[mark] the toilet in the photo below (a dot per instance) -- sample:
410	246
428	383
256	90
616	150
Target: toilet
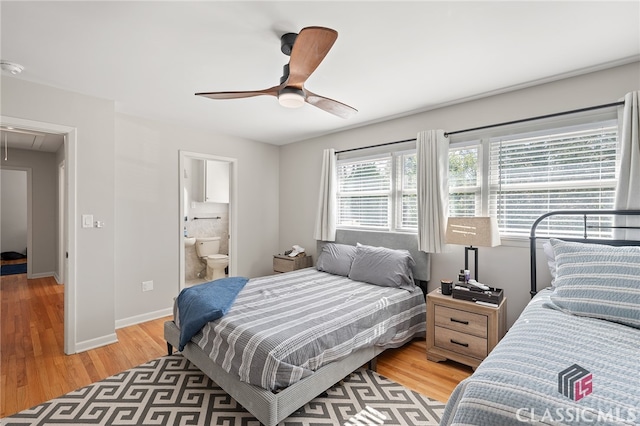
207	249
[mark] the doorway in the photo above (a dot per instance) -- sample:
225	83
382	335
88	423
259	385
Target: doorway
207	209
16	192
69	215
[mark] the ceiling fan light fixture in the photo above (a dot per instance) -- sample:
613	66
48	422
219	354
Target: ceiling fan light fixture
291	98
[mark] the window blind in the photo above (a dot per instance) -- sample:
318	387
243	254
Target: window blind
407	172
364	192
570	169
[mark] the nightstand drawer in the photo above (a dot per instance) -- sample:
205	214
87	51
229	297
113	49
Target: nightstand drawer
461	343
462	321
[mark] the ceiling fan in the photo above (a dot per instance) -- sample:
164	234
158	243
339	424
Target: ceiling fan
306	50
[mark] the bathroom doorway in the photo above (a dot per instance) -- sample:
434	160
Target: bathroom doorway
207	209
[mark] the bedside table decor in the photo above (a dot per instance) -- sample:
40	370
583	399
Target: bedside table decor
470	232
287	263
446	286
473	294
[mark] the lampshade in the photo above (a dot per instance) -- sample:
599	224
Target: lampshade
473	231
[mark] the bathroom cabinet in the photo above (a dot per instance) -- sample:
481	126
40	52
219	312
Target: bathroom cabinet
216	182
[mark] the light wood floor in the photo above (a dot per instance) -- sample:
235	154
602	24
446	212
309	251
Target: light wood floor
35	369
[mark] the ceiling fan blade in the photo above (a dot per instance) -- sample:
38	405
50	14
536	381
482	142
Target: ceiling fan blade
273	91
331	106
311	46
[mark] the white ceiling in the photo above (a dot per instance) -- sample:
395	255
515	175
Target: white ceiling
390	59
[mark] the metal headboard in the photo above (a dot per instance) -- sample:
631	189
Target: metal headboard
585	215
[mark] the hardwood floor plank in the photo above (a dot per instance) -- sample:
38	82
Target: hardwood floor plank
34	368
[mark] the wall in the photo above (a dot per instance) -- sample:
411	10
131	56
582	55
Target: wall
127	177
44	208
504	266
14	211
93	119
147	209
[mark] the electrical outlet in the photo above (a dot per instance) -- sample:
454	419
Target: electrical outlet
147	285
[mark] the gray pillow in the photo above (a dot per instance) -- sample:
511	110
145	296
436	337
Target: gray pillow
383	266
336	259
597	281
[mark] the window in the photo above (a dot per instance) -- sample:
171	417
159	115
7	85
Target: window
378	192
527	175
465	180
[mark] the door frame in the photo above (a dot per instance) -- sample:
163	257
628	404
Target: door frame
233	211
71	215
60	273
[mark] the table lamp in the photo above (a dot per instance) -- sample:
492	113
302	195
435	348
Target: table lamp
472	232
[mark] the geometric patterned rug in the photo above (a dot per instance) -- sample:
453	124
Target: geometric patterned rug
172	391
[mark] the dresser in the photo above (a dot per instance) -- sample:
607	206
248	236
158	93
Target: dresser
461	330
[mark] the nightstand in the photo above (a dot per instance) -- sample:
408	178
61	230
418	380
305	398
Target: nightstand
288	264
462	331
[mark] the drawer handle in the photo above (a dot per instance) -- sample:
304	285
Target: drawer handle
459	321
466	345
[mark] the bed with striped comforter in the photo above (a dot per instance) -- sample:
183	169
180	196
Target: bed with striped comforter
283	327
519	382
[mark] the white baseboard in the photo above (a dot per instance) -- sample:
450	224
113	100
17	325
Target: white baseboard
96	343
149	316
42	275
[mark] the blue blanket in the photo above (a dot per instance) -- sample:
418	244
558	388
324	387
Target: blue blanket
206	302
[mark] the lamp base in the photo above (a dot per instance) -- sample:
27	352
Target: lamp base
475	262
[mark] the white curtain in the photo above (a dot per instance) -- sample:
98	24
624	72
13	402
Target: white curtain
628	188
433	190
326	217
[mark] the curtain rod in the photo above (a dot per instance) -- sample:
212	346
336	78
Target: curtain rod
523	120
375	146
539	117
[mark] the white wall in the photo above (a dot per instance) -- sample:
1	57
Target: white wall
127	177
148	225
93	119
505	266
44	208
14	211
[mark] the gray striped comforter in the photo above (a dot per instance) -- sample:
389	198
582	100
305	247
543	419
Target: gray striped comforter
283	327
518	382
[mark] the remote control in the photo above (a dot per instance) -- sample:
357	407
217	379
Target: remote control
479	285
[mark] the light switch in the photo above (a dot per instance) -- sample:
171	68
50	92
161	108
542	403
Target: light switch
87	221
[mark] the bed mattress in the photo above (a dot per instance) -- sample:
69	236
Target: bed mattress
284	327
554	368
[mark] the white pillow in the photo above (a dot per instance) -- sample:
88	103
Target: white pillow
551	260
